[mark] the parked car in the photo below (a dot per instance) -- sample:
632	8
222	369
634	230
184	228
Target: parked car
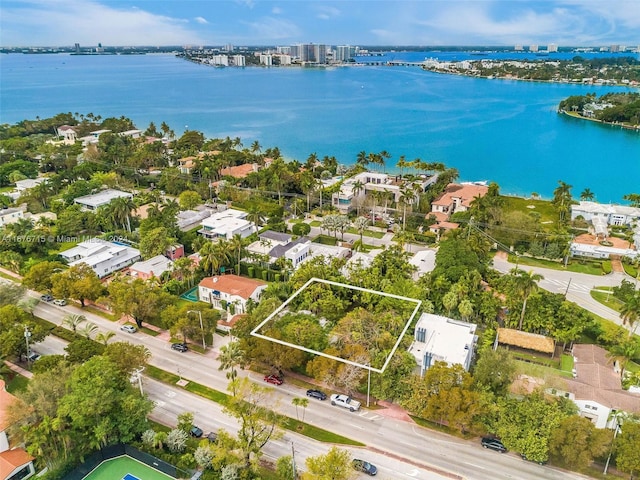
345	401
33	356
180	347
493	444
128	328
212	437
61	302
274	379
316	394
365	467
196	432
46	297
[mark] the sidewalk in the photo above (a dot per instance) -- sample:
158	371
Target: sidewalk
18	369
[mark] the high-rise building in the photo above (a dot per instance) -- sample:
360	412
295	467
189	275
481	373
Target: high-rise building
614	48
533	48
345	53
238	60
284	50
552	48
266	60
518	48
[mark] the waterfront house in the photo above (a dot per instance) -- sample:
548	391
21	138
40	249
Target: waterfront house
68	134
272	246
612	214
455	198
102	256
226	224
239	171
97	200
15	462
93	138
440	339
230	292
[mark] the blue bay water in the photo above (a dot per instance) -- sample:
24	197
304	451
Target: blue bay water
497	130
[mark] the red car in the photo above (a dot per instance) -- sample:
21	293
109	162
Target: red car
276	380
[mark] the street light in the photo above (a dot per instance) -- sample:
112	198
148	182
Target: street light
27	336
204	345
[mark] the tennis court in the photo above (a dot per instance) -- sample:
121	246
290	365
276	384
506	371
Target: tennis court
125	468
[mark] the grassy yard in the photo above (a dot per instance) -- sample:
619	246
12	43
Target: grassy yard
109	316
315	223
591	268
566	363
17	383
325	240
630	270
539	371
607	299
548	214
366	233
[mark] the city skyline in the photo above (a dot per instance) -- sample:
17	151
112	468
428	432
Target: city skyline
269	22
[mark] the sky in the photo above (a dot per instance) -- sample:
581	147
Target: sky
347	22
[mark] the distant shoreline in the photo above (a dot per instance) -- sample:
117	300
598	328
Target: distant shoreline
595	120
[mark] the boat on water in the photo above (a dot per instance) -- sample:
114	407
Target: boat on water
480	183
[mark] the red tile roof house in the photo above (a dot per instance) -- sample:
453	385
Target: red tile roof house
230	292
455	198
15	463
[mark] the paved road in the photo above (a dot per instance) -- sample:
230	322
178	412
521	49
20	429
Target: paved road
401	449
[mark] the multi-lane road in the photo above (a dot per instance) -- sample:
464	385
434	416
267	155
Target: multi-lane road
399	448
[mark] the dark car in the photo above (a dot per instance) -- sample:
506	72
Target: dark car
196	432
212	437
493	444
316	394
274	379
180	347
46	298
365	467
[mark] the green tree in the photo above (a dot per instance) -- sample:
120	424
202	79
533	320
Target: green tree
13	324
189	200
155	242
79	282
39	276
626	448
231	357
73	321
562	200
10	293
334	465
82	349
630	312
495	370
525	283
126	356
576	442
138	299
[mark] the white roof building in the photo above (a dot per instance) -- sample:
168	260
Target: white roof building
600	251
424	261
442	339
102	256
105	197
26	184
226	224
613	214
10	215
154	267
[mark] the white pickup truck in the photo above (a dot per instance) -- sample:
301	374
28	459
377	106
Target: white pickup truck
345	401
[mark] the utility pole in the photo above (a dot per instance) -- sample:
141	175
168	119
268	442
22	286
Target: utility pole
293	462
27	335
568	285
204	345
138	376
368	385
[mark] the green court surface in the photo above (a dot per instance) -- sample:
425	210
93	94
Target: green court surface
118	468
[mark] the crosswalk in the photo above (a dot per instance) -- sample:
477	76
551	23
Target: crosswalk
560	286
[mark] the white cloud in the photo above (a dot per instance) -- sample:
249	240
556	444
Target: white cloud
88	23
276	10
326	12
270	28
201	20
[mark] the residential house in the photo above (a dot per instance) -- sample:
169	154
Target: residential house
23	186
353	190
226	224
600	251
239	171
359	260
424	261
457	198
15	463
154	267
186	165
188	219
441	339
131	133
102	256
596	388
230	292
68	134
274	245
612	214
93	137
11	215
175	251
97	200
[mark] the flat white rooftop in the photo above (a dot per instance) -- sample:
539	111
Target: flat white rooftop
102	198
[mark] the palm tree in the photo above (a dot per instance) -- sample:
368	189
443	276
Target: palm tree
362	159
255	216
236	245
231	356
357	187
562	199
209	257
121	209
526	283
623	353
88	329
402	164
360	224
104	337
256	147
73	321
587	195
405	199
300	402
630	312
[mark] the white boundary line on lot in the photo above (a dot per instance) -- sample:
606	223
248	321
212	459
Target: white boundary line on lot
418	303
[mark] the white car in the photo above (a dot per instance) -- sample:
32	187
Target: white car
128	328
61	302
345	401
